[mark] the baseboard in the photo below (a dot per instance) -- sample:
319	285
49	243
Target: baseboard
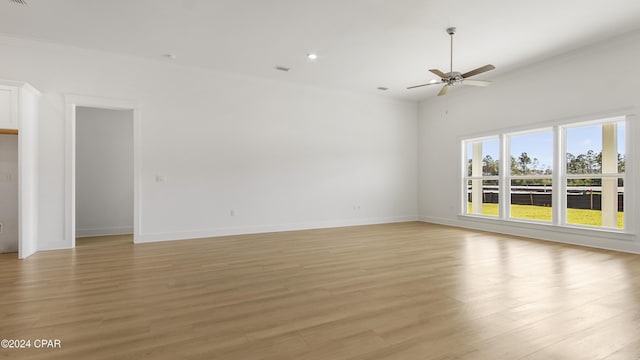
205	233
593	238
80	233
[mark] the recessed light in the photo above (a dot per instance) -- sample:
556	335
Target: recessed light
170	56
283	68
382	88
312	56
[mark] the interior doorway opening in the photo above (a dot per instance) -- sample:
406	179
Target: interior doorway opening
102	109
104	172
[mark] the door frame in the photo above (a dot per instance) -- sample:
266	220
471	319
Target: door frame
71	103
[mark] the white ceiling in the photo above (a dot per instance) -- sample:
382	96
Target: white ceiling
362	44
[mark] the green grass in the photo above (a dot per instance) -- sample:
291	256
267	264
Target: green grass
542	213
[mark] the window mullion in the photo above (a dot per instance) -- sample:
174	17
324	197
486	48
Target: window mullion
504	182
559	182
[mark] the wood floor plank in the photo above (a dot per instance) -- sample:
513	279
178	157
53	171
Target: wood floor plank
394	291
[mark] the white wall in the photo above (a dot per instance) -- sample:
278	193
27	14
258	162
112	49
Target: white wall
9	193
581	85
283	156
104	172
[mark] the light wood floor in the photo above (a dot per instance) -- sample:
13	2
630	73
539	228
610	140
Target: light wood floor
398	291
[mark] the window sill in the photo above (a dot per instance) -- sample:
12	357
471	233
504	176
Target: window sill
612	234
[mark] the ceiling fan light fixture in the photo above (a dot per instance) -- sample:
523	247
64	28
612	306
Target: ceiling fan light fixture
312	56
453	78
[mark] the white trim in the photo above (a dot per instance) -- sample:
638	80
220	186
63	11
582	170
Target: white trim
580	119
71	102
530	177
529	131
504	207
599	121
488	177
559	197
21	84
462	174
594	238
630	207
122	230
28	119
594	176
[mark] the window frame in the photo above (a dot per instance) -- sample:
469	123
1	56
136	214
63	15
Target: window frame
558	177
564	175
508	176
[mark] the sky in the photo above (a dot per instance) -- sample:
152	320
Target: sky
540	145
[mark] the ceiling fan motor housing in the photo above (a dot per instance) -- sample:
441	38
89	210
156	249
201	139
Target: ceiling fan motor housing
453	78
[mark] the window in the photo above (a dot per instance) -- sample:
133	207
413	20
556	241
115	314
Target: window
594	176
582	188
530	175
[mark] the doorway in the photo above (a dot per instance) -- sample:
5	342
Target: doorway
98	142
104	172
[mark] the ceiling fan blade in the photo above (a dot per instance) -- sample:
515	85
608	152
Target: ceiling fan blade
427	84
479	70
481	83
444	90
438	72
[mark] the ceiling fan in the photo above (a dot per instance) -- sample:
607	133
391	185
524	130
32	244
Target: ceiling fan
453	77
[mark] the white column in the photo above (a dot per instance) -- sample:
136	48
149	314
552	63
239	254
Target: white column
609	166
476	185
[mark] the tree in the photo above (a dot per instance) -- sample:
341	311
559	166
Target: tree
621	162
534	166
523	163
572	164
489	166
591	160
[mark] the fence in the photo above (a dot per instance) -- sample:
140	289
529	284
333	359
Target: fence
577	197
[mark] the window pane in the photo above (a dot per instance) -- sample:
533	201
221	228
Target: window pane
531	199
484	195
532	154
487	155
596	202
596	149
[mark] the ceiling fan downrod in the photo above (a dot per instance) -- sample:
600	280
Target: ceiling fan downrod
451	31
